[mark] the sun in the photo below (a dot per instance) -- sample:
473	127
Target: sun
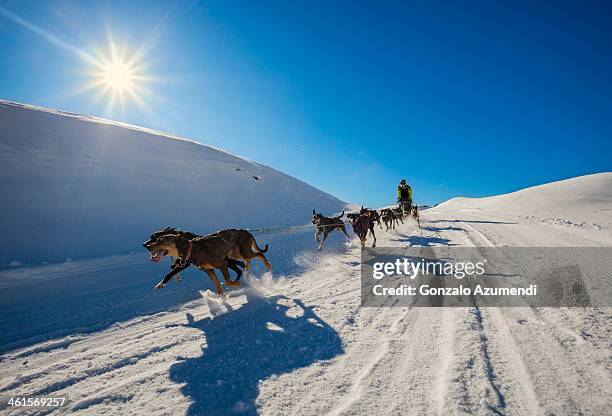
118	76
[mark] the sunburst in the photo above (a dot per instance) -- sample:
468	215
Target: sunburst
116	74
119	77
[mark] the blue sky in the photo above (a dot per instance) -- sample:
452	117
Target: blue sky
460	98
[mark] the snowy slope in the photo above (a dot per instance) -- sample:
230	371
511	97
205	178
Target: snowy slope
583	202
76	186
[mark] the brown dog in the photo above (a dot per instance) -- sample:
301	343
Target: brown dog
362	223
212	252
180	264
374	216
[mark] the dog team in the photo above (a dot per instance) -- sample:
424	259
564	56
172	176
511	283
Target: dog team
362	222
233	249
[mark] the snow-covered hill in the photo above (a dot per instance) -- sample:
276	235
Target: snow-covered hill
583	203
78	186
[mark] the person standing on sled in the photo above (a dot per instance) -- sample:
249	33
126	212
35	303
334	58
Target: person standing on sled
404	196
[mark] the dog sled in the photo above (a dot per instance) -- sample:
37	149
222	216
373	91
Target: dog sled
405	206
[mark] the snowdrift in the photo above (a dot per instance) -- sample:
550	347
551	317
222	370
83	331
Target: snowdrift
584	201
78	186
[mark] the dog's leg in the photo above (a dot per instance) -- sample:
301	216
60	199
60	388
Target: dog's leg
226	277
343	228
213	277
232	265
373	235
174	271
265	261
174	264
317	236
325	234
256	253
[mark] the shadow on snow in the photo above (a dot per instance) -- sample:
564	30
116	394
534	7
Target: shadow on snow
472	221
248	345
439	229
417	240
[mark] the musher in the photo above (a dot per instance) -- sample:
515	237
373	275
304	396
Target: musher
404	196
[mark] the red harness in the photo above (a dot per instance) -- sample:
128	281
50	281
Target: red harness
189	247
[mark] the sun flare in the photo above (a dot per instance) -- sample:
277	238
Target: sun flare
118	77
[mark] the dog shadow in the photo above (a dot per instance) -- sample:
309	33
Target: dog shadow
416	240
439	229
472	221
264	337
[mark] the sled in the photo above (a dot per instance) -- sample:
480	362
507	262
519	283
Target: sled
405	207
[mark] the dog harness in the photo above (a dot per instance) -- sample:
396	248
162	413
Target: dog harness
182	261
189	248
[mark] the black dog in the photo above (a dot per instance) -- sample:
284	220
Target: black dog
373	218
361	224
399	215
415	215
326	225
389	217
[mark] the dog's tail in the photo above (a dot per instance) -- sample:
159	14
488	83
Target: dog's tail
256	248
341	215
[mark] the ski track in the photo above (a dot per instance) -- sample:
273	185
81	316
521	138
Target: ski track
559	378
394	360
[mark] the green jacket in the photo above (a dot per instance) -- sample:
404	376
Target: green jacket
404	192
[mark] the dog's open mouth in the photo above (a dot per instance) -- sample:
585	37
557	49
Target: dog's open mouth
157	255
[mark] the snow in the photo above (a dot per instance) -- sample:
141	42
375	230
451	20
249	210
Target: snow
582	203
296	340
81	186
